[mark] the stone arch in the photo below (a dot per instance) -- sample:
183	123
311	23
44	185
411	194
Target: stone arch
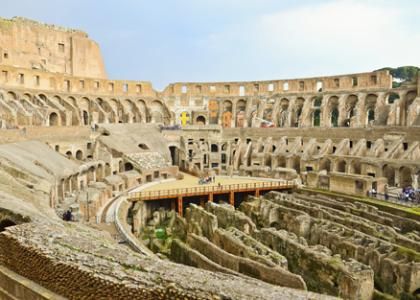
392	97
406	108
405	177
284	112
107	169
351	110
79	154
99	172
157	112
53	119
370	104
389	173
240	113
333	111
296	163
297	112
142	109
91	174
69	154
355	167
341	166
70	104
316	113
227	114
325	164
11	96
200	120
227	105
281	161
128	166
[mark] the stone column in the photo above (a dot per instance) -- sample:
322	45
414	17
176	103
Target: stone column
361	110
402	109
233	120
415	182
342	113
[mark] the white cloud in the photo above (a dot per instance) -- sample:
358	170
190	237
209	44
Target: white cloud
331	37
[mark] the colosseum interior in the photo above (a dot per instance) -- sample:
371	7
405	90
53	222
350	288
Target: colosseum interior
305	181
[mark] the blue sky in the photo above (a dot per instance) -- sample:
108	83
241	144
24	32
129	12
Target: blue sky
167	41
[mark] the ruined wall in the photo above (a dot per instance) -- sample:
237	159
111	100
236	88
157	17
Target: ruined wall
379	79
77	262
32	45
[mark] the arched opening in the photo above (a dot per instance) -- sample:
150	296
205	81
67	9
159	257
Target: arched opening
91	174
143	146
341	166
128	166
389	173
107	169
325	164
351	103
405	177
240	113
284	112
370	116
333	108
281	162
99	173
356	167
297	112
6	223
79	155
370	108
174	155
85	117
200	120
53	119
334	117
317	117
296	164
392	97
214	148
69	154
223	158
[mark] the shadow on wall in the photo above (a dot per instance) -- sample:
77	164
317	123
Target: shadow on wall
9	218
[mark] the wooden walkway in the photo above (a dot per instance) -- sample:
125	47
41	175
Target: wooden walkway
210	191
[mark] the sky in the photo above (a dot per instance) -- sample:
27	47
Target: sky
166	41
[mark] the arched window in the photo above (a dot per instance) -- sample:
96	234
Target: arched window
334	117
317	117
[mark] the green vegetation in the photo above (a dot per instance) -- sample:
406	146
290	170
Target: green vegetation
404	74
375	202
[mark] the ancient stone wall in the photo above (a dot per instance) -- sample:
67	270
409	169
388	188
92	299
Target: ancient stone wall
32	45
77	262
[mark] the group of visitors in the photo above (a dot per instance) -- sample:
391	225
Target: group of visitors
206	180
409	194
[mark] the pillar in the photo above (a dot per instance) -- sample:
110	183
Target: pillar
257	192
414	180
210	197
173	204
232	198
180	207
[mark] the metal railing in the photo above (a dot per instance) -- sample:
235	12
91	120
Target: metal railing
397	199
200	190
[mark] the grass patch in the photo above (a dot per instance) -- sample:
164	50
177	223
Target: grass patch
376	202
